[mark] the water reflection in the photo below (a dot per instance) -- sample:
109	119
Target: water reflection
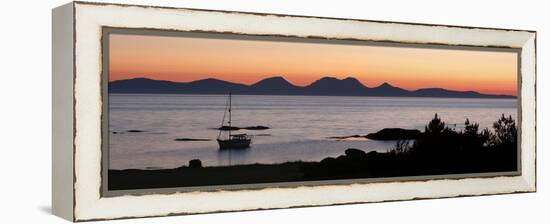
228	157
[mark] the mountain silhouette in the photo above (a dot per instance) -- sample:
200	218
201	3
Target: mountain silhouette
429	92
203	86
388	90
144	85
327	86
214	86
273	85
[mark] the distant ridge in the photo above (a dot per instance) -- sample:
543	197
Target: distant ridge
326	86
274	84
329	86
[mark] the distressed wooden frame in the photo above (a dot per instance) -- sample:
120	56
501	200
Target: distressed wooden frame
78	114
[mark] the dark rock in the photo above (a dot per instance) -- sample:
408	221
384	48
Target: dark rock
394	134
234	128
259	127
328	161
227	128
342	159
192	139
346	137
355	153
372	154
195	163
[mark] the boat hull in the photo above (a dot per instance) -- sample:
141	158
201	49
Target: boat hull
234	143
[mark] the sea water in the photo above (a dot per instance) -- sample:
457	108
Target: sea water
299	126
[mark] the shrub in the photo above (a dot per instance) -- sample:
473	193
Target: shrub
440	139
401	147
435	126
505	131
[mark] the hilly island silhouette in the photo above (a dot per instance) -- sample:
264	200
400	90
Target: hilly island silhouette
326	86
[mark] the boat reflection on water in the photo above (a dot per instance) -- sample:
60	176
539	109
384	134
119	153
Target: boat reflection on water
228	157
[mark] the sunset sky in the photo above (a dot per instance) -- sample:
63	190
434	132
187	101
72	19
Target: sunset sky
185	59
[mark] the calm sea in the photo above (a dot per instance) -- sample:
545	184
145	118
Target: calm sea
299	125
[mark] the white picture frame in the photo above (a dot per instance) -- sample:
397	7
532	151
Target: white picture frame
78	111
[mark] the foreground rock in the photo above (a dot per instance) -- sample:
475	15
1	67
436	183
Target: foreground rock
195	163
394	134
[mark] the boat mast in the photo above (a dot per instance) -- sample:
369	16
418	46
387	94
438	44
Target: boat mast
229	115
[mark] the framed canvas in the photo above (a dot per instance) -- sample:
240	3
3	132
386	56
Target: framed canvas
166	111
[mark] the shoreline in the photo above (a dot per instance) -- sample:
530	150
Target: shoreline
353	164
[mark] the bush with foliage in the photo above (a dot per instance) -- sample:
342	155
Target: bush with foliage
438	138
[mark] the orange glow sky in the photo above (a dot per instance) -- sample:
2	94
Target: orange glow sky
185	59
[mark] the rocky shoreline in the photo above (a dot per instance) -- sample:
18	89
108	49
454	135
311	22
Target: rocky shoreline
385	134
354	163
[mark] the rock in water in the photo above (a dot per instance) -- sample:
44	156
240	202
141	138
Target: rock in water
235	128
192	139
346	137
259	127
394	134
195	163
227	128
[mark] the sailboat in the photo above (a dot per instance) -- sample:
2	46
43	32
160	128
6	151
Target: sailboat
236	141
